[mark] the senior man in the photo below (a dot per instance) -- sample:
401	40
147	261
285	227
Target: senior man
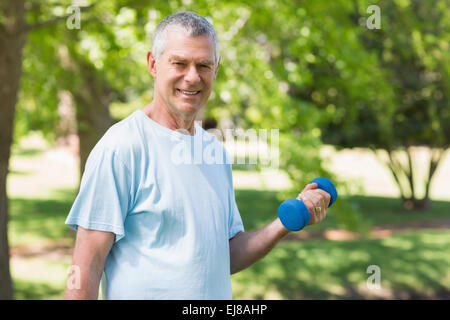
149	227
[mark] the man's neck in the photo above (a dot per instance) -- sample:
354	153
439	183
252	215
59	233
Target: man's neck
169	120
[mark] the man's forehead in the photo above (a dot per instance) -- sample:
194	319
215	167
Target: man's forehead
180	44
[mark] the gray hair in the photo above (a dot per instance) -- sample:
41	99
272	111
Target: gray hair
191	22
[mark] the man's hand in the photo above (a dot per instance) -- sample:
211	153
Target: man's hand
316	200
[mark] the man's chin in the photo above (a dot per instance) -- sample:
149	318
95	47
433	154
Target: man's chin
189	109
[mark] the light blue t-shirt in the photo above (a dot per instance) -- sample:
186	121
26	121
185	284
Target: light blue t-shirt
168	197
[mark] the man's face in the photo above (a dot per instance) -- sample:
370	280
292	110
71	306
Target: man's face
185	72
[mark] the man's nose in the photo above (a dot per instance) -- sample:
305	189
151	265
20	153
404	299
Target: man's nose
192	74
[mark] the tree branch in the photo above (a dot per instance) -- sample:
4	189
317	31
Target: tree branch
391	165
396	175
410	173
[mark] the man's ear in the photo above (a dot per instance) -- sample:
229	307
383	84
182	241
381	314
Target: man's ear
151	63
217	68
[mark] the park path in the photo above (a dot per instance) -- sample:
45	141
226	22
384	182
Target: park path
377	232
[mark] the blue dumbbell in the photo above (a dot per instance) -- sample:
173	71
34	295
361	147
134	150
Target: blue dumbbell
295	215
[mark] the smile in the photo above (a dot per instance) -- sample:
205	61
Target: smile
189	93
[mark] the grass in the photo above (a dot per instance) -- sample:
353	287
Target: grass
32	289
413	265
35	220
39	279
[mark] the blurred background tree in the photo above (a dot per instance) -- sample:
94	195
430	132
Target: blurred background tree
402	102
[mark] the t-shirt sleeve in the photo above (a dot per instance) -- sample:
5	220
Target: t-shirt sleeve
104	196
235	224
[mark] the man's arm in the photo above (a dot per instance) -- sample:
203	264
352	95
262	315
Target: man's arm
91	249
248	247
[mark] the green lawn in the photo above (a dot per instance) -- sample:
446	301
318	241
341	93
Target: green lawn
415	264
412	265
35	220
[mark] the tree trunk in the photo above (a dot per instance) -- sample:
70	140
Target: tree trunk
406	171
437	154
411	201
91	96
422	204
92	110
12	41
93	119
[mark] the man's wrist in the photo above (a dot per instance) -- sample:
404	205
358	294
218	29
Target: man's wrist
281	229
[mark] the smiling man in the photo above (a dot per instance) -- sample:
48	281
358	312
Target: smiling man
151	228
184	71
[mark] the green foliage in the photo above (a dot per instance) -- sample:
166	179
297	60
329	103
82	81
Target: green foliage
398	94
57	59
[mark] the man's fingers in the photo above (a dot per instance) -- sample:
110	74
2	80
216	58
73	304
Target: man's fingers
312	203
310	186
315	198
311	208
323	195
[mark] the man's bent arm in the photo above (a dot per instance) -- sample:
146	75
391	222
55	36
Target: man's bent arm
248	247
91	249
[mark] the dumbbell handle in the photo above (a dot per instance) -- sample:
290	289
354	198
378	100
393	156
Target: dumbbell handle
295	215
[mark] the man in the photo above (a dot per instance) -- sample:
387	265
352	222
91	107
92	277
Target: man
149	227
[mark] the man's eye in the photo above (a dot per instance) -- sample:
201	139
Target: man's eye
179	63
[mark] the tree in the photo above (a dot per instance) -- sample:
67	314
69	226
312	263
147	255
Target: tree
411	106
14	29
12	40
412	48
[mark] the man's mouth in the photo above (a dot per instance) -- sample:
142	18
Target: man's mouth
188	93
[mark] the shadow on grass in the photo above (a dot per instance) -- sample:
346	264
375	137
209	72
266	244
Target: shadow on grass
412	266
31	219
244	166
26	290
27	152
390	210
20	173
